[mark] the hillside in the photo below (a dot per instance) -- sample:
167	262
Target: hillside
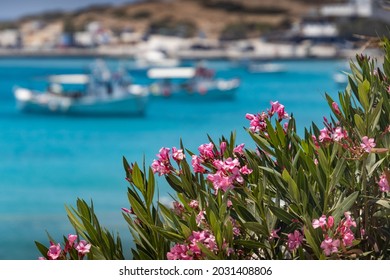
214	18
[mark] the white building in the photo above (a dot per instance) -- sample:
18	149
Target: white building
359	8
9	38
84	39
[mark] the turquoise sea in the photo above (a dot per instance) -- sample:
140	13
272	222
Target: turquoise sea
46	162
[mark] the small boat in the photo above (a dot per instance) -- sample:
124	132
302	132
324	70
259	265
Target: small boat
191	82
154	59
99	93
266	68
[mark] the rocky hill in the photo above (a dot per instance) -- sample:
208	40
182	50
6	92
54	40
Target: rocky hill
229	19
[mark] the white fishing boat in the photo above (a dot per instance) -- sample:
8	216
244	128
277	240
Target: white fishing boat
99	93
154	59
191	82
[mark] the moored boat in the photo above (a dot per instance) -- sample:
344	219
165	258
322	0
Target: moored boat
99	93
191	82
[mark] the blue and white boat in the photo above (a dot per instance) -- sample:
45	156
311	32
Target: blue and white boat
191	82
99	93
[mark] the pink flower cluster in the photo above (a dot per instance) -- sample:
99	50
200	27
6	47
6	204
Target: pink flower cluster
334	238
258	121
383	183
191	250
55	251
332	134
224	173
163	165
228	173
295	240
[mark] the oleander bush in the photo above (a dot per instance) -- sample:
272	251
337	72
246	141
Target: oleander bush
323	195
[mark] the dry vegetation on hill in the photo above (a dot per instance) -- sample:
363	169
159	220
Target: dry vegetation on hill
214	18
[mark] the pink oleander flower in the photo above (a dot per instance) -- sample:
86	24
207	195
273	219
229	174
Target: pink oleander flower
230	164
339	134
314	138
257	122
83	247
367	144
348	221
179	252
160	167
42	259
321	222
54	251
128	211
220	181
274	234
285	127
239	149
295	240
194	204
316	161
222	147
324	135
348	237
177	154
178	209
200	217
163	155
72	238
330	222
383	183
344	229
196	164
278	108
229	203
330	246
336	109
245	170
203	237
207	151
69	243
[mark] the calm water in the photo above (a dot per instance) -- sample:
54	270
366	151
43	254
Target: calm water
46	162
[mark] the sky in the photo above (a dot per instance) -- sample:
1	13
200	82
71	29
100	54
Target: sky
14	9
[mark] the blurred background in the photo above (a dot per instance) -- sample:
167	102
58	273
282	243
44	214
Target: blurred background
251	52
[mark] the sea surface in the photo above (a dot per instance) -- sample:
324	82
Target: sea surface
48	161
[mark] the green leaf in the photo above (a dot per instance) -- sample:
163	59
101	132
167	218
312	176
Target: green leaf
383	202
174	237
138	178
251	244
42	249
210	254
363	90
283	215
244	213
257	228
150	188
345	205
359	124
309	235
139	210
126	166
292	186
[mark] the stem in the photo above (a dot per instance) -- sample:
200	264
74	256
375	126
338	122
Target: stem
365	199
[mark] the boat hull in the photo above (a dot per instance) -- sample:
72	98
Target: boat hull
109	106
215	90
